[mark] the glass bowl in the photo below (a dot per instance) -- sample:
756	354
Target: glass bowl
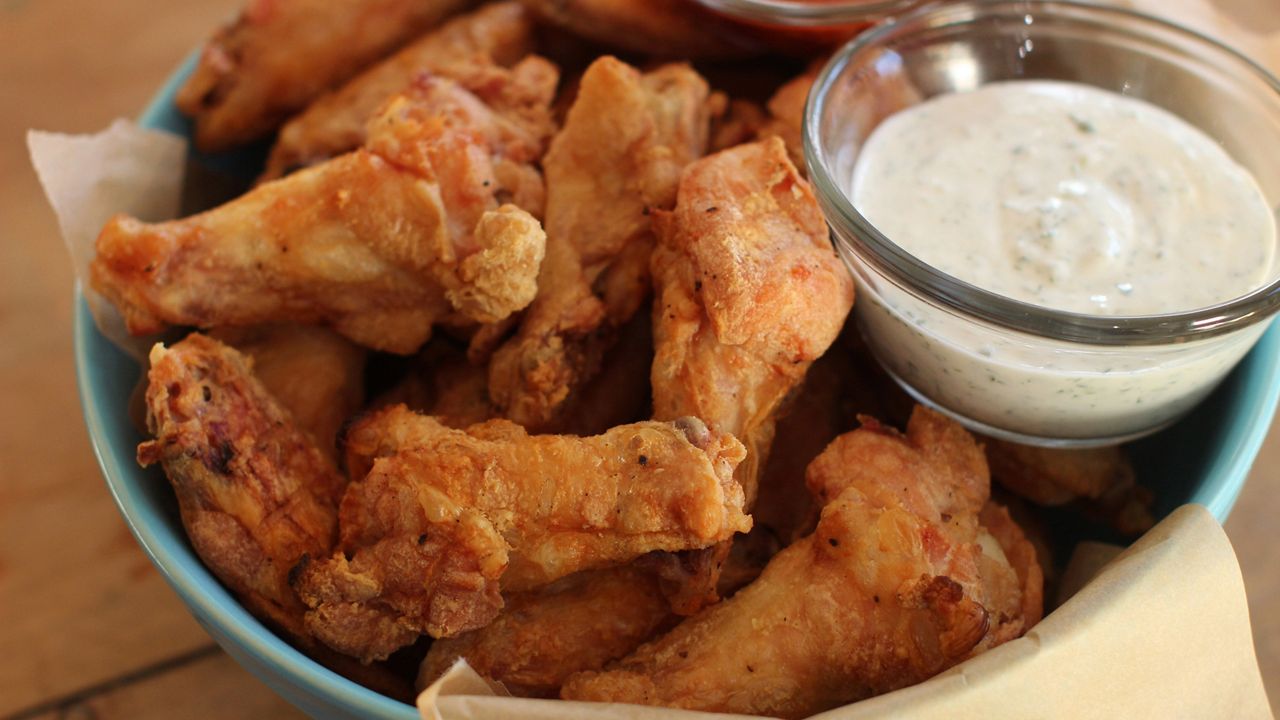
800	26
811	13
1003	367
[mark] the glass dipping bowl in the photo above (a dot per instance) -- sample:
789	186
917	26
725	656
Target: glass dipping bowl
1003	367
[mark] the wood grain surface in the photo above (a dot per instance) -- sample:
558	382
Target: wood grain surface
88	628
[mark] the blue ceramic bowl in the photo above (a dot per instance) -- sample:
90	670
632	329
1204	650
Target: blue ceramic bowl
1203	459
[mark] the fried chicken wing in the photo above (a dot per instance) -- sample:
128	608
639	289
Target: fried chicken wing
1100	479
542	637
749	293
666	28
619	155
380	244
255	492
314	373
280	54
446	519
501	34
890	589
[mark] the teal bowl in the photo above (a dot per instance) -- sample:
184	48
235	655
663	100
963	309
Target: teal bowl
1203	459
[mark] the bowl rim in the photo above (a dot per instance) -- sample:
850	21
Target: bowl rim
802	14
205	596
856	234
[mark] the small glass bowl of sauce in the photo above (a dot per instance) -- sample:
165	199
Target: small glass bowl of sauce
1028	367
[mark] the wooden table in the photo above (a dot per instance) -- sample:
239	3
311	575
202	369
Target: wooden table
88	629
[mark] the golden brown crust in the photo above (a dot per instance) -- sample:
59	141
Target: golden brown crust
542	637
279	54
500	34
255	493
749	292
888	591
380	244
619	155
510	508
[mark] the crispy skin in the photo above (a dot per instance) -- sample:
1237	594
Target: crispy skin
445	519
542	637
619	155
380	244
1100	479
500	33
255	492
314	373
887	591
749	293
667	28
280	54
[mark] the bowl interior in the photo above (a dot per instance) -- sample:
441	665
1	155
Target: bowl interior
1203	459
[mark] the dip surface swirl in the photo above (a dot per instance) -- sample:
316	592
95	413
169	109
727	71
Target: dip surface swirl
1068	197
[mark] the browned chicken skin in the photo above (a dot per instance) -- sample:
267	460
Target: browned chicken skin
280	54
256	494
617	158
446	519
500	34
542	637
894	586
380	244
1101	480
314	373
749	292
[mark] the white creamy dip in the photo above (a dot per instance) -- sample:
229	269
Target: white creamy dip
1067	196
1071	198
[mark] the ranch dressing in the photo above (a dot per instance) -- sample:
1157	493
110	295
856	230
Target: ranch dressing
1071	198
1067	196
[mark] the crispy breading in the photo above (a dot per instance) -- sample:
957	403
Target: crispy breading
380	244
280	54
314	373
888	591
446	519
542	637
501	33
749	292
618	157
255	492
